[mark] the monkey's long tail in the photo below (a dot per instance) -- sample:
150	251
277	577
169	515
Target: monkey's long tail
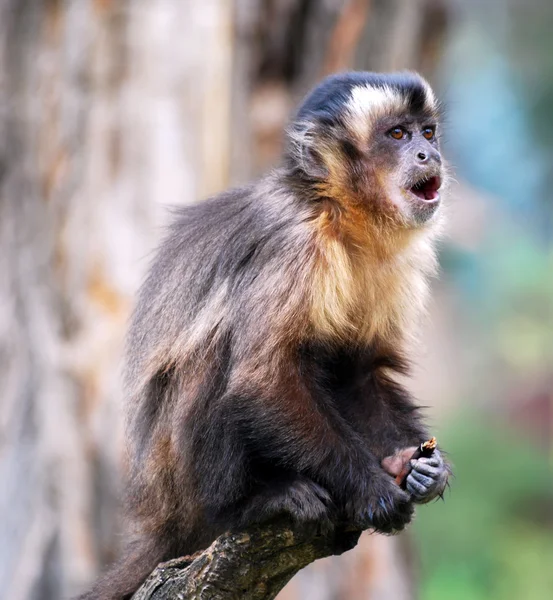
129	573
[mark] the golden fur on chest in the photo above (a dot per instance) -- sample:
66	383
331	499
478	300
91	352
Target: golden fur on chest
368	284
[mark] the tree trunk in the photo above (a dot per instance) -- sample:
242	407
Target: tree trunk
254	564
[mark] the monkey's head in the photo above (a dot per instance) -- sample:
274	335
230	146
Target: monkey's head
371	140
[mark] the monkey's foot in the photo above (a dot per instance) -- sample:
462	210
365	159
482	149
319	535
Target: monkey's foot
428	478
388	510
300	497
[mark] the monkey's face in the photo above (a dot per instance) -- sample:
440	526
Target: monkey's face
372	141
407	173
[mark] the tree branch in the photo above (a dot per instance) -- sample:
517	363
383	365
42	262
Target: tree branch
251	565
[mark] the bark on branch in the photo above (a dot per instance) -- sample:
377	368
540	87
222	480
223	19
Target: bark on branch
251	565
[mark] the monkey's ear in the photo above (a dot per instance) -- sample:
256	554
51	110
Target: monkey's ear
303	150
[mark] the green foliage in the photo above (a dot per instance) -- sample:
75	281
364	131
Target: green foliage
492	537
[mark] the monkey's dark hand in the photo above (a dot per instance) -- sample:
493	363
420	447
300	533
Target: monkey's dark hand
428	477
387	509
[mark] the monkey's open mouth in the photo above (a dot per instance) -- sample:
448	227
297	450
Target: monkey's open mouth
427	189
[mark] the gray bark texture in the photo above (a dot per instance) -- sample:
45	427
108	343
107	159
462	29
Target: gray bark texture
110	111
253	565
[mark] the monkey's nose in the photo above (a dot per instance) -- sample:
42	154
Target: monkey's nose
423	156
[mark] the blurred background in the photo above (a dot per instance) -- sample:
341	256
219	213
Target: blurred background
113	110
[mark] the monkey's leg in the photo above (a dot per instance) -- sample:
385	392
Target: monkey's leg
296	432
303	499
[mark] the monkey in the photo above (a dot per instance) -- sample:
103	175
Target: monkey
269	341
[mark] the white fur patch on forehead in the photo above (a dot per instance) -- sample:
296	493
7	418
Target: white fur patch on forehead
367	104
431	102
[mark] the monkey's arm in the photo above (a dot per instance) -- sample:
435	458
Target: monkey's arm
391	421
398	431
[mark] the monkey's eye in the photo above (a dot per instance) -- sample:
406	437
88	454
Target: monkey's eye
428	133
397	133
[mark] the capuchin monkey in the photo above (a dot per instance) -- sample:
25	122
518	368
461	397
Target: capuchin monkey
268	340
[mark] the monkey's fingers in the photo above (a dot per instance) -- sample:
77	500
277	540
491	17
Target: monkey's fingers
418	490
424	480
427	466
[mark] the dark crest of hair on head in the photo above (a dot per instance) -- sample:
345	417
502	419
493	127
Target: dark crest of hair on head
327	100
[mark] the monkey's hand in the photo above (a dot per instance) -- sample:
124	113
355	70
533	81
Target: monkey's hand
428	477
386	508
